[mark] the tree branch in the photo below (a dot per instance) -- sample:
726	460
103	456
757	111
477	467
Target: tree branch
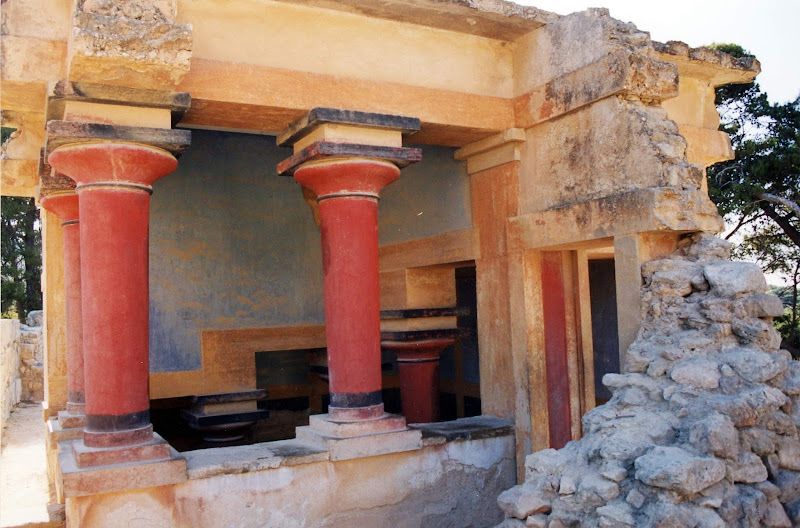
783	222
785	202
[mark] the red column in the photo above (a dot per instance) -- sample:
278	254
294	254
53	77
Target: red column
348	191
418	366
114	193
65	206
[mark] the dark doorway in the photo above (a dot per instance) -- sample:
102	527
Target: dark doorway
603	294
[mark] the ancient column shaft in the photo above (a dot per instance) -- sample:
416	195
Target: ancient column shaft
347	192
65	205
345	158
114	194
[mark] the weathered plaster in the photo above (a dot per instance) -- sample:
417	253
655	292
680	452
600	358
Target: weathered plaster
450	484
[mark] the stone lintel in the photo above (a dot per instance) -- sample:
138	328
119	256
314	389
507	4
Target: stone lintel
400	156
60	133
322	115
60	92
495	150
618	73
79	482
639	211
512	135
496	19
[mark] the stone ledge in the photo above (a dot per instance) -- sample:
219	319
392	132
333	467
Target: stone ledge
205	463
473	428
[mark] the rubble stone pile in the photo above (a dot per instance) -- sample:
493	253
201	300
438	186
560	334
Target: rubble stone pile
703	431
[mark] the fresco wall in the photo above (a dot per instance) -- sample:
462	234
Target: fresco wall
233	245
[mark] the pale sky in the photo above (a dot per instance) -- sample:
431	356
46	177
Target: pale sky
770	29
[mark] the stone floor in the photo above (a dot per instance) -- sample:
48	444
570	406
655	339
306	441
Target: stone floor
23	478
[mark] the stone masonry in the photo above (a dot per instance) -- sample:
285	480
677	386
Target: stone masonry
703	432
31	354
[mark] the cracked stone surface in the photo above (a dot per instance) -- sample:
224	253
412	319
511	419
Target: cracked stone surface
705	430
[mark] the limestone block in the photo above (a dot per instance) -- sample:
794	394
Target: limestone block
675	469
715	435
536	521
749	469
522	501
763	305
754	365
732	278
32	60
146	10
698	372
775	516
43	19
595	485
615	514
789	454
137	52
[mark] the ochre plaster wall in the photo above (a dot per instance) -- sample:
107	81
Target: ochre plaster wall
233	246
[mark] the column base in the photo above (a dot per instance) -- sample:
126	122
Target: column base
135	474
68	420
358	439
87	456
57	440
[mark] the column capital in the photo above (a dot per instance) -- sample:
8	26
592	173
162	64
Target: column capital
329	133
492	151
56	192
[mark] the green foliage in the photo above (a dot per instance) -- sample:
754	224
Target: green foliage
20	247
759	190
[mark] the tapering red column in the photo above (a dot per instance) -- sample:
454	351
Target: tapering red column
114	190
347	192
64	204
347	179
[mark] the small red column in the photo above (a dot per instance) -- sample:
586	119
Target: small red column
418	366
114	190
65	205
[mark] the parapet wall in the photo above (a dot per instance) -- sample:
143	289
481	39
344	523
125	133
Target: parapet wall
452	481
704	429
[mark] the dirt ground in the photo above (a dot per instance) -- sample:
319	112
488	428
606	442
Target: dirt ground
23	477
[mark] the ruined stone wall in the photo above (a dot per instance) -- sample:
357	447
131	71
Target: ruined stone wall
10	384
31	358
704	430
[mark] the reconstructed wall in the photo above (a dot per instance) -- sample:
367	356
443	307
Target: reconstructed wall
10	384
451	484
704	431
